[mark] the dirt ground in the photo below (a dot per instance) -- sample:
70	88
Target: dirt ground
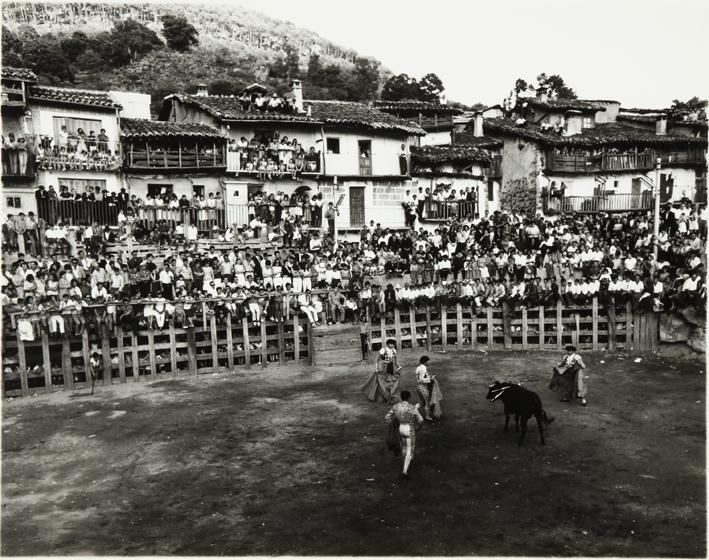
293	461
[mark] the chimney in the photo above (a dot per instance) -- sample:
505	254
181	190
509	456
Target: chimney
478	125
296	88
202	90
310	109
661	125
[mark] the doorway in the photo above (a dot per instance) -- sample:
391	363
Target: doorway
357	206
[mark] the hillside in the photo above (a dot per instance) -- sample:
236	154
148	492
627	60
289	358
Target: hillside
236	47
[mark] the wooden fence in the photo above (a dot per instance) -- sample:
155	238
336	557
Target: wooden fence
457	327
50	364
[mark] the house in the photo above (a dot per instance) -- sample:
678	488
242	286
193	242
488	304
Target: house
437	119
176	158
71	138
586	155
349	151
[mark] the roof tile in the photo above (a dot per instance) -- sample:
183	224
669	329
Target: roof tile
18	73
131	128
68	96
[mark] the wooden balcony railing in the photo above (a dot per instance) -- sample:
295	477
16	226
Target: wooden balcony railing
180	158
440	211
607	203
607	162
365	166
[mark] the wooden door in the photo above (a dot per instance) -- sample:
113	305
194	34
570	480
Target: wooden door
356	206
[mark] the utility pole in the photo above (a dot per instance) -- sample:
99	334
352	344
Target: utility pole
656	193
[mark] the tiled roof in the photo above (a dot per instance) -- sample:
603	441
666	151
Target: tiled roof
324	112
448	154
420	106
564	104
466	138
641	111
131	128
67	96
18	73
600	135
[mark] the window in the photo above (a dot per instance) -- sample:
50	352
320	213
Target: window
490	191
587	122
198	190
73	125
616	183
81	184
159	189
13	202
333	145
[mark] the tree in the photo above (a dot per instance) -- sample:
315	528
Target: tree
179	33
286	67
314	69
692	109
364	81
11	48
44	56
221	87
431	88
128	41
73	47
520	85
399	87
555	87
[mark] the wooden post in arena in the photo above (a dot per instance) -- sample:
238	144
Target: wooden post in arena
22	361
173	351
121	355
296	337
473	329
428	328
397	327
47	362
229	344
459	326
490	330
412	326
559	327
594	340
247	344
106	357
541	327
66	364
525	330
136	360
443	312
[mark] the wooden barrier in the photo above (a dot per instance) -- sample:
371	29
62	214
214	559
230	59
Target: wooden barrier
455	325
50	364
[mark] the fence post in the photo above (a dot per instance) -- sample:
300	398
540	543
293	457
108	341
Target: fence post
628	327
397	327
525	331
67	367
86	351
575	335
412	326
47	363
541	327
611	327
191	352
428	328
121	355
229	344
490	330
444	327
215	350
247	344
296	337
136	360
264	344
151	347
311	346
506	325
106	355
281	341
473	328
173	351
369	332
595	323
559	327
459	326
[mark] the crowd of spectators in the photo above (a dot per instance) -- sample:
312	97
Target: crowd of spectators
483	261
272	156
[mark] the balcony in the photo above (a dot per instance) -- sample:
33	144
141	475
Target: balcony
202	155
77	154
607	203
18	166
12	96
607	162
441	211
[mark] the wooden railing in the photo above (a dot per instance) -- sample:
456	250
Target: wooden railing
607	203
441	211
457	326
641	161
212	345
51	364
365	166
180	158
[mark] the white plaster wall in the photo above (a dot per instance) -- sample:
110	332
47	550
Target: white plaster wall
436	139
385	154
134	105
43	120
114	181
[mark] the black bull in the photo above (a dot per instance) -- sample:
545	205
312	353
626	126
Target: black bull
521	402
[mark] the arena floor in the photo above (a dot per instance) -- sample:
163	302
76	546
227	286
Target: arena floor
293	461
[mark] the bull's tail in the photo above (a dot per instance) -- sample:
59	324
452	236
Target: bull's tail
547	419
